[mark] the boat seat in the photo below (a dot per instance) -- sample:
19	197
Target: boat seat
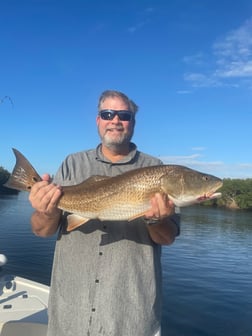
13	328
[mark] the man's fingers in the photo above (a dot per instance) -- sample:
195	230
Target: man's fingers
161	206
46	177
55	197
44	196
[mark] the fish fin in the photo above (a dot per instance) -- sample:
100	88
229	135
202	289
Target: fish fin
23	176
74	221
141	214
96	178
89	182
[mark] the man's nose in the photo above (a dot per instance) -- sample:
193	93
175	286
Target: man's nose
116	119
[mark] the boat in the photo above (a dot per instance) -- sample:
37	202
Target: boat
23	305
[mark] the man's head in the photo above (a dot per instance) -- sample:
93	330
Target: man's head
131	106
116	119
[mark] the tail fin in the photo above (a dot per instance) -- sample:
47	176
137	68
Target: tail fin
24	176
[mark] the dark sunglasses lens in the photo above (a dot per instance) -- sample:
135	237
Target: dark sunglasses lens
106	115
109	115
125	116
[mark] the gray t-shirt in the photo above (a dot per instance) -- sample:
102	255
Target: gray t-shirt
106	277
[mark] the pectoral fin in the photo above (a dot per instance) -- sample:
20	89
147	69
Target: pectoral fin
141	214
74	221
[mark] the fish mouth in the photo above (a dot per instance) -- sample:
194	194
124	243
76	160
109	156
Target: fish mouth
209	196
212	193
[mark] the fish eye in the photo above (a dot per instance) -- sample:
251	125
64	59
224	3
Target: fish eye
205	178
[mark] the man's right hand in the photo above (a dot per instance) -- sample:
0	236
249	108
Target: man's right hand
44	197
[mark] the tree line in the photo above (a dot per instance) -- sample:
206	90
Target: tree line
236	193
4	175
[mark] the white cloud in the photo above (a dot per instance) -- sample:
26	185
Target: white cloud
236	69
217	168
136	27
145	16
232	61
197	59
180	158
183	92
189	160
199	148
236	45
202	80
246	165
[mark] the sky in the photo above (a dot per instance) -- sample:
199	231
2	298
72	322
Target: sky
187	64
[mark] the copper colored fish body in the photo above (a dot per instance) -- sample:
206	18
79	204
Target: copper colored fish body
123	197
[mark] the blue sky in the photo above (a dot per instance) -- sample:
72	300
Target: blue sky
186	63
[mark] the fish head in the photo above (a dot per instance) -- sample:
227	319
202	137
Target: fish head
185	186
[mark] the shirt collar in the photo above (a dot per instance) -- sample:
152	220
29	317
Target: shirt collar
128	158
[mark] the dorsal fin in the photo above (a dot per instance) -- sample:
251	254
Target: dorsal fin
96	178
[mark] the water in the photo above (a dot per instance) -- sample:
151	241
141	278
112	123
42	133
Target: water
207	272
28	255
208	275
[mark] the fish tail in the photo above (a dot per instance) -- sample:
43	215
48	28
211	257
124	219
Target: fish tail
23	176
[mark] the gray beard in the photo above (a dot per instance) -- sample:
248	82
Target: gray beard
118	141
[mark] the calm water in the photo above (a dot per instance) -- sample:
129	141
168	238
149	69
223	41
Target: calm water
207	272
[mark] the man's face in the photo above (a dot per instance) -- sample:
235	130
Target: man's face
115	132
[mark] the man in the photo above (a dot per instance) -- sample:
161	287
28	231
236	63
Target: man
106	277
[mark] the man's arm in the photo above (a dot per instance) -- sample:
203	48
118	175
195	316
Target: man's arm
162	222
44	197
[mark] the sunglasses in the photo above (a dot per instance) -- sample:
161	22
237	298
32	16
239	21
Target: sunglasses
123	115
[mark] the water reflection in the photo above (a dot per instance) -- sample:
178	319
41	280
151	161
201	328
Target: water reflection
207	275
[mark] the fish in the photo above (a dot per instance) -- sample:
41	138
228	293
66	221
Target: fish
123	197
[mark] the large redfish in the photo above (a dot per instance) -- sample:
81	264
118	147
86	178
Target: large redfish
123	197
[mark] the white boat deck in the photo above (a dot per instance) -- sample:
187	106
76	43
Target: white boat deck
23	307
